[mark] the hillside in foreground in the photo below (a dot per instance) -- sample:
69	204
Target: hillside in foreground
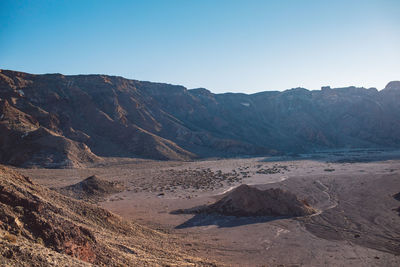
39	227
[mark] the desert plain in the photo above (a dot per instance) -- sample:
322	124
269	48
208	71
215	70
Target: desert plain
357	222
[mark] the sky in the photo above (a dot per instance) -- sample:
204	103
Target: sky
222	45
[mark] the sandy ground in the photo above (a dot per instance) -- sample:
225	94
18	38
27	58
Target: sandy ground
356	224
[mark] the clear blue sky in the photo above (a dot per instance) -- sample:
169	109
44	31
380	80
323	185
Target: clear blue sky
238	46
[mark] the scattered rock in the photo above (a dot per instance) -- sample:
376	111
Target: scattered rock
199	179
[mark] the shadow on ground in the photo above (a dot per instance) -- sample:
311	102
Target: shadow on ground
224	221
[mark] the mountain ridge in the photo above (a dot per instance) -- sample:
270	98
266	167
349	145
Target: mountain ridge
102	116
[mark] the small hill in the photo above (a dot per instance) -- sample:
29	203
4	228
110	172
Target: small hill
250	201
40	227
92	188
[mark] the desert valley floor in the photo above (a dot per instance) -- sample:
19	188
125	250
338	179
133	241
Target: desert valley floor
357	223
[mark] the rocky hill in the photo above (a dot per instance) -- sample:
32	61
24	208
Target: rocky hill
55	120
245	200
249	201
39	227
91	189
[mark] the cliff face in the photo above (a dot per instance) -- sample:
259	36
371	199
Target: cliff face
57	120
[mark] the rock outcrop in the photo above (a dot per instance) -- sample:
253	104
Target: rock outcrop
245	200
248	201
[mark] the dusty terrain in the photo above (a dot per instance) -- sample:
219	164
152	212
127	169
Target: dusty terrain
356	223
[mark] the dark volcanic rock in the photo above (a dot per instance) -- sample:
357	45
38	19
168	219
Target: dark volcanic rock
111	116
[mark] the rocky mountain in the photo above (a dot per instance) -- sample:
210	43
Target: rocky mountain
55	120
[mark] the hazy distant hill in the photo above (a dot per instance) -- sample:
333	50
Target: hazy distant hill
55	120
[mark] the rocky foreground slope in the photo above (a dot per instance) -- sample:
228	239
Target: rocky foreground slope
55	120
39	227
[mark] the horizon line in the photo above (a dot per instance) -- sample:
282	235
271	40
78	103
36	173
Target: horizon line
200	87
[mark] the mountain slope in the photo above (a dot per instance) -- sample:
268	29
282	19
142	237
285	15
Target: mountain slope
39	227
99	115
